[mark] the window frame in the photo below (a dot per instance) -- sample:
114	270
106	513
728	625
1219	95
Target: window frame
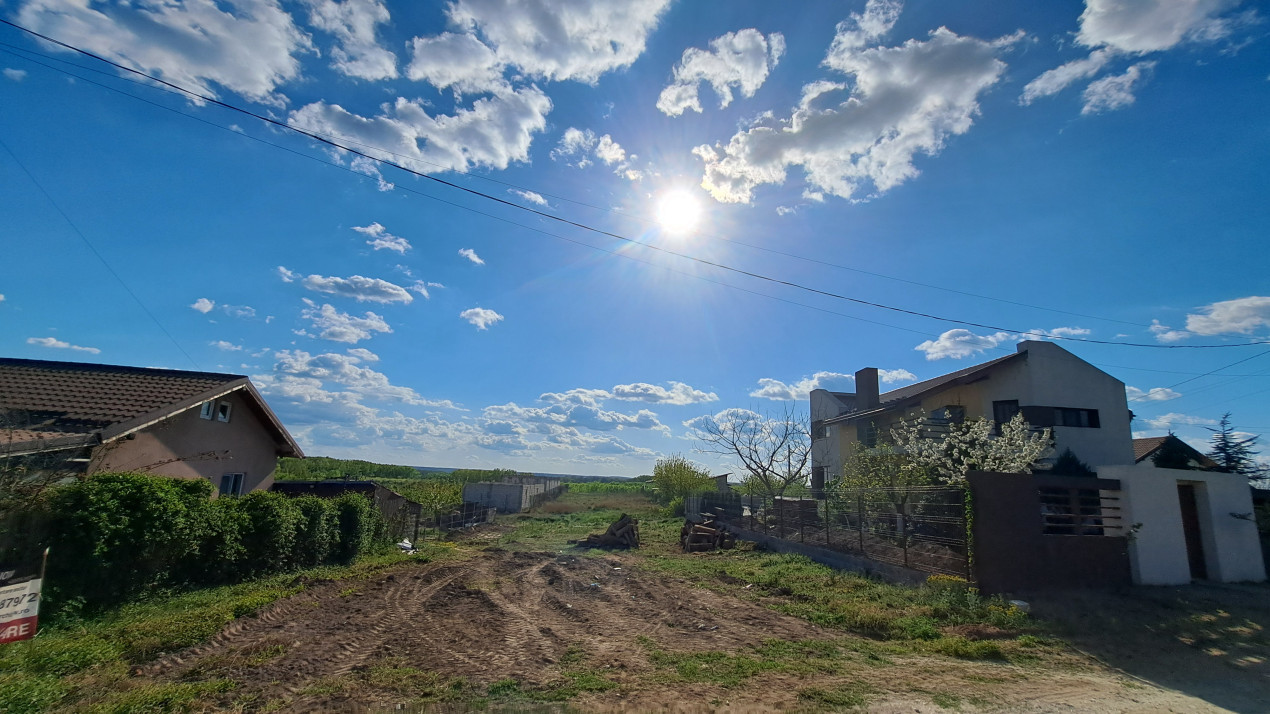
236	480
224	411
207	410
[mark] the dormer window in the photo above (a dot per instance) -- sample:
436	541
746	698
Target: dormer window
207	411
222	411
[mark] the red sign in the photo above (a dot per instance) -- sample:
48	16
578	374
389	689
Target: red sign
19	610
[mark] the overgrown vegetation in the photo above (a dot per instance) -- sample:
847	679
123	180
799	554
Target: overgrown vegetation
114	536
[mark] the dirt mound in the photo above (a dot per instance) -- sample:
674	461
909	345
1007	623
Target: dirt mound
500	615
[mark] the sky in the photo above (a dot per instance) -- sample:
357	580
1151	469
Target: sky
555	235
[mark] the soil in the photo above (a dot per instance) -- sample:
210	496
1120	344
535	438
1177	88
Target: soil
525	615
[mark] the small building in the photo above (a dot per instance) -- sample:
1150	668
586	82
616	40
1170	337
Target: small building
92	418
1085	408
1170	452
513	494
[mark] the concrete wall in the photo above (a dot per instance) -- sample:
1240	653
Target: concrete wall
827	452
187	446
1232	549
506	497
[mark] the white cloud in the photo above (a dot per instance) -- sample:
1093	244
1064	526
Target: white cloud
370	167
496	131
455	60
1164	333
609	151
587	397
777	390
480	317
905	100
742	59
561	39
861	30
381	239
203	305
226	346
1141	26
471	255
363	354
1114	92
1043	334
345	370
960	343
1056	80
336	326
287	276
1113	28
583	416
239	311
420	287
1155	394
892	376
531	196
1240	316
359	288
678	394
246	46
17	75
354	23
55	343
575	142
1174	419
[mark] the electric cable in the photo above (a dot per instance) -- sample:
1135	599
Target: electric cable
599	231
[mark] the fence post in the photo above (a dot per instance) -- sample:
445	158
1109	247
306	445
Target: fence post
860	519
800	520
828	529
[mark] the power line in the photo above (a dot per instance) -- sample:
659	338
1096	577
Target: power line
95	252
519	187
582	226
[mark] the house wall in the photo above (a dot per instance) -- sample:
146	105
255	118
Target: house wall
1232	549
1048	376
187	446
827	452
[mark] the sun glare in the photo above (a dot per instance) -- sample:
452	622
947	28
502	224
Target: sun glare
678	212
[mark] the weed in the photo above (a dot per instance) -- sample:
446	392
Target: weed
849	695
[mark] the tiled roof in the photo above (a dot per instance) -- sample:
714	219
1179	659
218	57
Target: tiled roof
1142	448
75	397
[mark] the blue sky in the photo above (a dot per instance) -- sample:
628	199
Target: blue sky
1093	170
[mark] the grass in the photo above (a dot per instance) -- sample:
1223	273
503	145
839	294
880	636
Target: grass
84	664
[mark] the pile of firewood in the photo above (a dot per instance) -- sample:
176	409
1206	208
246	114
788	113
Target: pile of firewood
707	535
624	533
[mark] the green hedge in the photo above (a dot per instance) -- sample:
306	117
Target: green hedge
115	536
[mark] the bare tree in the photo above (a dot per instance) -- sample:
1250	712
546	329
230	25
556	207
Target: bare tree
774	451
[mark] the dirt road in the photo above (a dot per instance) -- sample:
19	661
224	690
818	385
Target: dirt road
601	634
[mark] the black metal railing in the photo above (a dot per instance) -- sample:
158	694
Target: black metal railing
923	528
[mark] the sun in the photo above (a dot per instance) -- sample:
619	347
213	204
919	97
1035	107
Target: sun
678	212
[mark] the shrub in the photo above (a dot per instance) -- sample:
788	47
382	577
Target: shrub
676	477
269	531
318	532
116	534
356	519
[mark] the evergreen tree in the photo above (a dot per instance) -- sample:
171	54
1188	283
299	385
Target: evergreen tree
1234	454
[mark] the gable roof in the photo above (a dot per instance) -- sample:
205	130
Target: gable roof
105	402
1146	448
896	397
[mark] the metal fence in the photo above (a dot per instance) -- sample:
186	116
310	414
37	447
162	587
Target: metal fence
923	528
465	515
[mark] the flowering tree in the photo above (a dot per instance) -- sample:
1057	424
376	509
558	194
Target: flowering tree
971	446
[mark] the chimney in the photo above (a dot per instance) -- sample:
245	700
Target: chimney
866	389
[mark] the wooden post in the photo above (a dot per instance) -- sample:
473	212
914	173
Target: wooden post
860	519
828	524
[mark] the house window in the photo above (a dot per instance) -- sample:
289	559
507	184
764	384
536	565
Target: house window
1004	411
1087	418
231	485
867	433
1071	511
949	415
818	430
222	411
208	409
